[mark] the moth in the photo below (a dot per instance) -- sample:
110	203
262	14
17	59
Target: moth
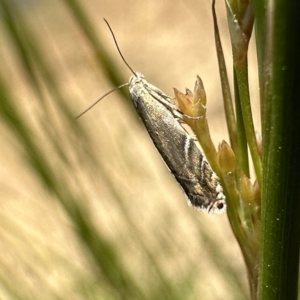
178	149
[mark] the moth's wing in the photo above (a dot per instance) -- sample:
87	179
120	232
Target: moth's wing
179	151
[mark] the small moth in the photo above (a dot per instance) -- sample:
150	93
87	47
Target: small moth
178	149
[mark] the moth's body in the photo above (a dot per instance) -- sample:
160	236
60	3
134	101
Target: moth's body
177	148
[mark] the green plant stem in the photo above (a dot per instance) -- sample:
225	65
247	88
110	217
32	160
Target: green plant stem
279	44
228	105
241	69
242	149
260	35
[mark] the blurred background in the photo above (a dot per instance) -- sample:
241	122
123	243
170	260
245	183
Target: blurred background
88	209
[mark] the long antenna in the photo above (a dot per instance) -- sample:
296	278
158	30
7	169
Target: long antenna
125	84
113	35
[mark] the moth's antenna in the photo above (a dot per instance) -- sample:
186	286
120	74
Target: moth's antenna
126	63
125	84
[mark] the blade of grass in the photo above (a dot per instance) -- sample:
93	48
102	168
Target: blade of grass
279	45
228	103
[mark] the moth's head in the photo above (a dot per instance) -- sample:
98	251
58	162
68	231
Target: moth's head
137	77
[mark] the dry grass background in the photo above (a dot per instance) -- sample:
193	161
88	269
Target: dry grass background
41	256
